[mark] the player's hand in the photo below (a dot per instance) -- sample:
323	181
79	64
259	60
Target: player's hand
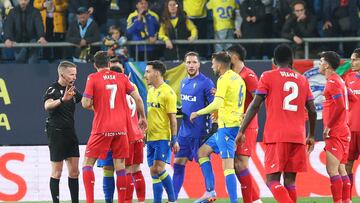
69	93
310	143
214	116
175	147
213	91
240	138
142	123
193	116
326	133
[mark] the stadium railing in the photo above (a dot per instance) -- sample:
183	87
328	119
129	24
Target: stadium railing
307	42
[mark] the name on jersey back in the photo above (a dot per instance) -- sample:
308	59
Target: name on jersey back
109	77
288	75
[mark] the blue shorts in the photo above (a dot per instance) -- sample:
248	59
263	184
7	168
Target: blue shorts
108	161
158	150
189	147
223	142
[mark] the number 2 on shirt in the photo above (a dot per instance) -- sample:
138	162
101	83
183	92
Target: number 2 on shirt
113	89
290	86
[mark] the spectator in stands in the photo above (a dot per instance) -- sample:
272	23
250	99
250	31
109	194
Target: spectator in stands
23	24
176	25
224	22
83	32
74	5
100	14
143	24
339	18
53	15
280	12
119	12
115	43
196	11
253	25
157	6
298	25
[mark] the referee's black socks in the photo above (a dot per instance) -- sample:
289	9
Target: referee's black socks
74	189
54	188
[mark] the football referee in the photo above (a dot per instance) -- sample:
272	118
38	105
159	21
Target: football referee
59	101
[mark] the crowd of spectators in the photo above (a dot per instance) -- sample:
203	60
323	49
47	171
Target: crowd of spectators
83	22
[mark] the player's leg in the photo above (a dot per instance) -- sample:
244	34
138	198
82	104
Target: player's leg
204	161
180	161
226	144
56	169
89	178
279	191
346	198
290	184
156	182
332	168
107	166
354	150
73	179
162	157
249	189
129	179
275	159
137	176
120	149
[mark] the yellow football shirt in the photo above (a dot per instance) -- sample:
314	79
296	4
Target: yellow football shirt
231	87
195	8
223	13
160	102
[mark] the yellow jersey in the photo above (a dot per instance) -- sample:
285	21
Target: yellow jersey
195	8
231	88
160	102
223	13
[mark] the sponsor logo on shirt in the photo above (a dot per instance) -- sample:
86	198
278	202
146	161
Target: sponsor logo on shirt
153	104
189	98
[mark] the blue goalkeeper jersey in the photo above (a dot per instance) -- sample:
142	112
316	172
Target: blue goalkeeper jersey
195	95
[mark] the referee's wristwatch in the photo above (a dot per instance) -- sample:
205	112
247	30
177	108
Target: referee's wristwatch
61	100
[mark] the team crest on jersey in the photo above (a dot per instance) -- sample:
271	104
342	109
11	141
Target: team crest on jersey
61	91
194	85
317	84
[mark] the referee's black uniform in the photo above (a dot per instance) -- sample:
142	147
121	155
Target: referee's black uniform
60	129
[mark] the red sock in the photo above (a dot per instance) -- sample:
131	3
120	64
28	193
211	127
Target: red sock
352	183
292	192
139	182
346	195
121	185
89	180
280	193
336	188
245	179
255	190
129	188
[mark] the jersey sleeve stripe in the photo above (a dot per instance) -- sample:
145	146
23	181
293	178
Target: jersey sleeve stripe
130	91
337	96
261	92
310	98
87	96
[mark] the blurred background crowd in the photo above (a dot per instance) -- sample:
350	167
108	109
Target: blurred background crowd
115	22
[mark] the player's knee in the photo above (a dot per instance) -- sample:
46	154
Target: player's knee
155	169
74	173
332	171
56	174
240	164
289	181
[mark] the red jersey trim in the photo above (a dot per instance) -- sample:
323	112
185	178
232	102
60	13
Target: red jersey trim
261	92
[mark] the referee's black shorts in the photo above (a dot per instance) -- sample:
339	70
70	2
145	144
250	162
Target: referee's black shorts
63	143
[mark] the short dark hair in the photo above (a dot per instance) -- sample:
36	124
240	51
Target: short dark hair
239	50
297	2
192	53
116	69
222	57
283	55
332	58
357	52
101	59
157	65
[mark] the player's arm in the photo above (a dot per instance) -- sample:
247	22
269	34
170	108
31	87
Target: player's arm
250	113
310	106
140	109
54	103
87	103
173	127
